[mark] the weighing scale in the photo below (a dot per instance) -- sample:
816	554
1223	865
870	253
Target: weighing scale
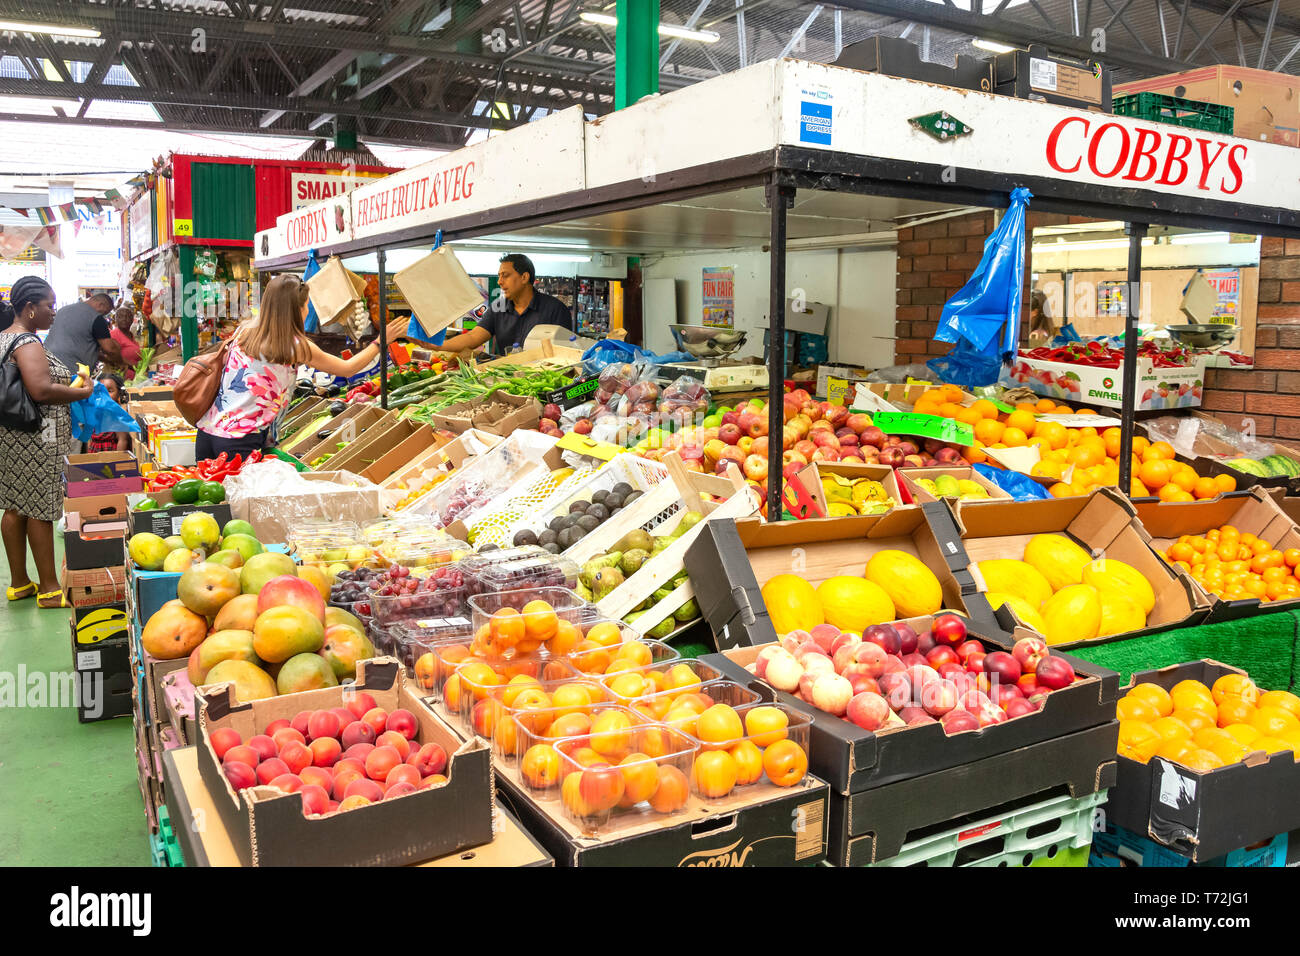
712	348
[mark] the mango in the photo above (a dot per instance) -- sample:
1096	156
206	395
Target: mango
148	551
251	682
173	632
237	614
283	632
206	587
261	568
200	530
343	648
179	560
304	672
336	615
220	646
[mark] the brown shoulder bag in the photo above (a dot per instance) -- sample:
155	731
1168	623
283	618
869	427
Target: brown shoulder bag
196	389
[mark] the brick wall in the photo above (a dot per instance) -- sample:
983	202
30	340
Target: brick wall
1269	393
936	259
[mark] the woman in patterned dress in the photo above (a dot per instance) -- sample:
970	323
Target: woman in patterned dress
31	463
261	367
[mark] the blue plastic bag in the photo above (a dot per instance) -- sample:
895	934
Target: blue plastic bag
1067	334
985	313
415	330
311	323
1018	486
965	366
98	414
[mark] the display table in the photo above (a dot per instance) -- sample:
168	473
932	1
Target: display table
204	842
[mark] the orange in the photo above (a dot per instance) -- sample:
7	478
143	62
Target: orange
1204	488
1047	469
1131	708
1085	456
1291	557
970	416
1155	695
1171	728
1235	711
1169	492
1208	736
949	409
1180	552
923	407
1063	410
935	395
1054	433
1188	697
1282	699
1136	489
1014	438
986	408
766	725
1185	479
1243	733
1044	405
1229	751
1025	421
1201	760
672	791
785	763
1160	449
1270	745
1225	482
1273	721
1111	437
1140	445
1062	490
989	430
1195	719
1154	473
1175	749
1138	741
719	724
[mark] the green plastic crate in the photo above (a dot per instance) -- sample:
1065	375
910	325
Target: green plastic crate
1161	108
163	846
1056	831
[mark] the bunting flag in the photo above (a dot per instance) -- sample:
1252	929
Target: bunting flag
118	201
48	239
68	210
45	214
76	228
96	206
14	239
22	212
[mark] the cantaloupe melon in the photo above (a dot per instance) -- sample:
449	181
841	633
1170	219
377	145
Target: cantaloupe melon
792	604
1057	558
853	604
1072	614
912	586
1006	576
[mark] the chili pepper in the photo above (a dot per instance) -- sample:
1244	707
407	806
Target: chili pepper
256	456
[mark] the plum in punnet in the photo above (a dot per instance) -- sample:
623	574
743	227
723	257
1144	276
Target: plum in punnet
907	638
1002	665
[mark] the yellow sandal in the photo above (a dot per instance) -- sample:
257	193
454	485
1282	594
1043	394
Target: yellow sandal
63	599
22	593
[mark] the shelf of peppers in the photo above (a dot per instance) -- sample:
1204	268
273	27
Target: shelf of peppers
215	470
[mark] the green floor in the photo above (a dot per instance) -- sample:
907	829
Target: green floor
69	795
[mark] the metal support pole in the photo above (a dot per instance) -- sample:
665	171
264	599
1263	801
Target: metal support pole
636	51
1136	232
383	331
187	304
779	199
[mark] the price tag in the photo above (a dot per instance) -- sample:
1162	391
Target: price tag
865	400
926	426
183	227
588	446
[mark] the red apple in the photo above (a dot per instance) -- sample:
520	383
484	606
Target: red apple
805	448
859	422
755	467
893	457
826	454
729	433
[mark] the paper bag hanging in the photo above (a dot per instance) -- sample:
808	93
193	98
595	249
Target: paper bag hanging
439	290
334	290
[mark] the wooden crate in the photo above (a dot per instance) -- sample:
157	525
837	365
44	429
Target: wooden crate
660	511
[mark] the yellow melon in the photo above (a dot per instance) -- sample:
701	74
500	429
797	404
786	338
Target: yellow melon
1028	615
1006	576
1072	614
792	604
1057	558
853	604
1119	614
1107	574
912	586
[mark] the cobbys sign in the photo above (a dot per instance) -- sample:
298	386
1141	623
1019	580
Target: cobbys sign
1147	155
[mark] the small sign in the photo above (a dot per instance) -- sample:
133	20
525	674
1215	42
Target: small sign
941	125
865	400
589	446
926	426
1017	459
89	660
1083	421
182	227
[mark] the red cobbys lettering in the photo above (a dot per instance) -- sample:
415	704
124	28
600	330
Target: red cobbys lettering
307	230
1112	151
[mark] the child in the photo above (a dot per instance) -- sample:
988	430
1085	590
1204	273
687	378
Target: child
111	441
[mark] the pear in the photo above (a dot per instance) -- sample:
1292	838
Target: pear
689	521
606	580
632	560
687	612
635	540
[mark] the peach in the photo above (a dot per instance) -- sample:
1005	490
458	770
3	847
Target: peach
376	718
317	776
640	779
766	725
265	747
672	791
354	801
325	751
785	763
342	780
429	759
571	698
301	722
749	763
223	739
714	773
569	725
360	703
600	787
239	774
287	783
323	723
434	780
357	732
399	789
361	787
275	725
403	771
358	753
315	800
345	717
392	738
380	761
268	770
540	766
296	755
243	753
611	734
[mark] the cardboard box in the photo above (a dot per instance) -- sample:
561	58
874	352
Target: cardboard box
190	801
465	415
165	520
101	669
1205	815
176	703
412	448
1118	847
547	354
273	515
851	759
159	409
268	827
810	477
731	560
95	535
103	473
147	591
148	393
873	825
1086	385
845	378
373	445
1036	74
920	496
92	587
780	827
1254	512
343	428
1264	103
1101	523
175	448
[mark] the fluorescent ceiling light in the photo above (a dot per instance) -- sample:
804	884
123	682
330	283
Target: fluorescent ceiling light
529	243
1194	238
992	46
665	29
10	26
1097	244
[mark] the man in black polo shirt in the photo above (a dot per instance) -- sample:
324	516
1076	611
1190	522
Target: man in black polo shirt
511	319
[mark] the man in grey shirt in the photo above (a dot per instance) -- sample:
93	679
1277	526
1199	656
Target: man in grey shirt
80	334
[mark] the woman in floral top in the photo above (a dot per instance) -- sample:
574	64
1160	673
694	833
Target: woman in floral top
262	366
